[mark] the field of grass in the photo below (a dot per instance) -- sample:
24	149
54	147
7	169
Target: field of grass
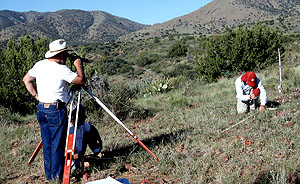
186	132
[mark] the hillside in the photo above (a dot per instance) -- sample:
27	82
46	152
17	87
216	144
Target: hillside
219	14
73	25
78	26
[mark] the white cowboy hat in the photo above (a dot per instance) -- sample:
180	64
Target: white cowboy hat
56	47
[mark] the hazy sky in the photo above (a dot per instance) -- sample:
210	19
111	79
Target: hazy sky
141	11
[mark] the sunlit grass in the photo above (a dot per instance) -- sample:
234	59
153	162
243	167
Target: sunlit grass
185	133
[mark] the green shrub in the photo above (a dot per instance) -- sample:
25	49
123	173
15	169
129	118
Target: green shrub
6	117
146	58
157	67
112	66
180	102
182	69
139	112
296	80
117	97
16	60
177	49
239	50
156	40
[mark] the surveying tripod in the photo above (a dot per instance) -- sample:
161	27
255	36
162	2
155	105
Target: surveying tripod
70	140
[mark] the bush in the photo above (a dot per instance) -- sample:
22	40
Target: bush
177	49
182	70
16	60
117	97
296	80
112	66
239	50
146	58
180	102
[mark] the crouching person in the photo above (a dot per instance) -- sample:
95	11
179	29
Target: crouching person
86	134
250	93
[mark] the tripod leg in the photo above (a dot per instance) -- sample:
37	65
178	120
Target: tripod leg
68	160
70	143
118	121
36	151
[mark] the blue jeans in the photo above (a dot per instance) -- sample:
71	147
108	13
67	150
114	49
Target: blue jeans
53	125
86	134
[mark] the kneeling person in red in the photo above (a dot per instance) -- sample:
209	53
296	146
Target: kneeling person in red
250	93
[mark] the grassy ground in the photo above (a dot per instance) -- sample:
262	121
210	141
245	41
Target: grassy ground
185	133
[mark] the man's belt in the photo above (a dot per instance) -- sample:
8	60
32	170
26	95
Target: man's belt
59	104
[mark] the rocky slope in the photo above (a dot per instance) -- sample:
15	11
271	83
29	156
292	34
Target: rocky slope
219	14
76	26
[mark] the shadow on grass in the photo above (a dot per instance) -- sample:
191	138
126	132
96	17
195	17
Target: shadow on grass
269	177
123	152
272	104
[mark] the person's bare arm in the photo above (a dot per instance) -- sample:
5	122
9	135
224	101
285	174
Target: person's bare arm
80	78
28	81
261	107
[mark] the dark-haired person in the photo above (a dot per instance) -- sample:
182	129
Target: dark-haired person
52	78
250	93
86	135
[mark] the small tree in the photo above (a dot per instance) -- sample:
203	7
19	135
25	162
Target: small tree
111	66
146	58
177	49
16	60
239	50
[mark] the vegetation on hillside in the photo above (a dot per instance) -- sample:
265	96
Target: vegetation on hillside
176	113
240	50
16	60
75	26
217	16
226	55
78	26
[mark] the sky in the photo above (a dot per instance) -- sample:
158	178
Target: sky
141	11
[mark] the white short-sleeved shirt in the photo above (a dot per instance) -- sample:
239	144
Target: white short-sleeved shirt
52	80
243	90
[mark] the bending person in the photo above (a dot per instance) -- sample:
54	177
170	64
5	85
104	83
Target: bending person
250	93
86	135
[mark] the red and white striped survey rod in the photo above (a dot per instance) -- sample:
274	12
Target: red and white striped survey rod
118	121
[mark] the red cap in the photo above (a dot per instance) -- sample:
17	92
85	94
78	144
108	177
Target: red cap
256	91
249	78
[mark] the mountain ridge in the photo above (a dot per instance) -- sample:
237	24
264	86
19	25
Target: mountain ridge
73	25
79	26
219	14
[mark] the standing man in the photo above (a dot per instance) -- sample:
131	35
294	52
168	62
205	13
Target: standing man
52	77
250	93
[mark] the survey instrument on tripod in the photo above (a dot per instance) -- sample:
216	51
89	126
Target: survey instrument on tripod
71	137
118	121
